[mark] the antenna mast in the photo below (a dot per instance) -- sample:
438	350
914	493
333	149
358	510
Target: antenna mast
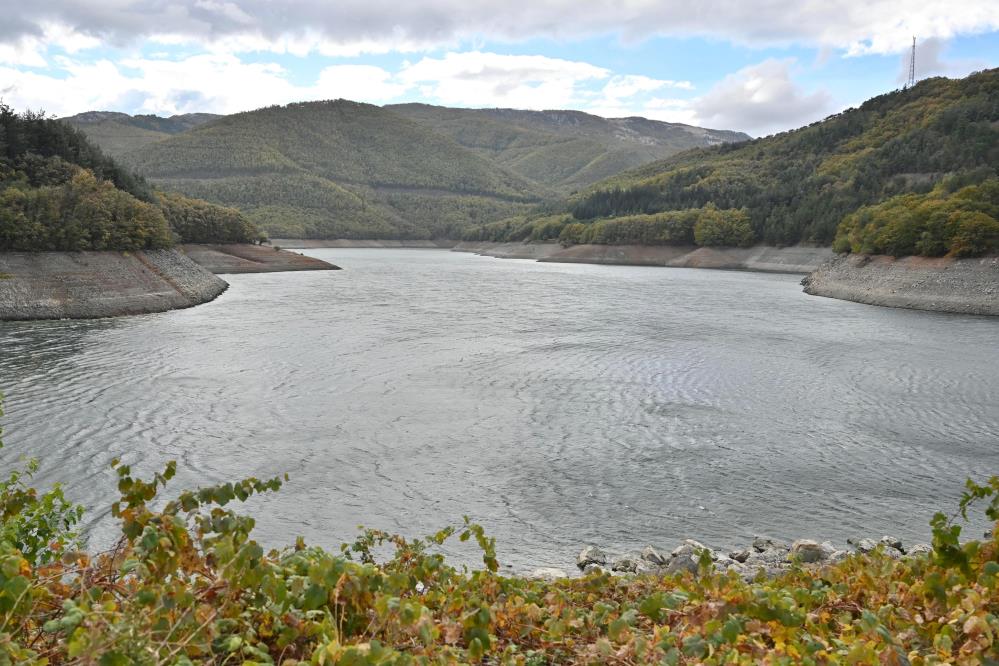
912	65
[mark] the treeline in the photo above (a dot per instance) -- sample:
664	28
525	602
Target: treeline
798	186
706	226
197	221
951	220
58	192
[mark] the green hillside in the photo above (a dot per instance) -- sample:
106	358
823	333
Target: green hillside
118	133
337	168
563	150
58	191
799	186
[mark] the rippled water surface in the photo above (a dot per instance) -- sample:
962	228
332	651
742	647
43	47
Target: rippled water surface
556	404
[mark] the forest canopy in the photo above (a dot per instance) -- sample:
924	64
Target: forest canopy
58	192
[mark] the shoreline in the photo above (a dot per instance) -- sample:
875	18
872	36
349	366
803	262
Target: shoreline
936	284
94	285
763	556
798	259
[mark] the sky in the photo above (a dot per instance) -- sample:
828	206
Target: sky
758	66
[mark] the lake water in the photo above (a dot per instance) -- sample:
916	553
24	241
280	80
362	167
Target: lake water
556	404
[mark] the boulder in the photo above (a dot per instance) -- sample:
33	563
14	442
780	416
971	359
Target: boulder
809	551
595	569
548	574
654	557
919	549
627	563
740	555
892	542
863	545
591	555
686	557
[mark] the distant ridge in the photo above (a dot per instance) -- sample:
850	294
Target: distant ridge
564	149
341	169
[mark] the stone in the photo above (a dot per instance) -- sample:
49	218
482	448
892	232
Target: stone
892	542
591	555
627	563
919	549
686	557
740	555
595	569
654	557
548	574
762	544
809	551
863	545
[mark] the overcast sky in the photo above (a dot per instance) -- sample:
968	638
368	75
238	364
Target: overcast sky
756	66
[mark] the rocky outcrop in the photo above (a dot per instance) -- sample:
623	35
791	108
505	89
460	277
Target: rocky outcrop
798	259
86	285
942	284
765	556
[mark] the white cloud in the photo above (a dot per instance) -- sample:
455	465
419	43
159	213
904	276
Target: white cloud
760	99
475	78
858	26
210	82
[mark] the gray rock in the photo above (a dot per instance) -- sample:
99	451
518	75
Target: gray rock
892	542
686	557
627	563
591	555
810	551
838	556
654	557
547	574
740	555
762	544
919	549
595	569
863	545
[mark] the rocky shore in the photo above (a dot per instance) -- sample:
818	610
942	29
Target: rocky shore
87	285
766	556
942	284
797	259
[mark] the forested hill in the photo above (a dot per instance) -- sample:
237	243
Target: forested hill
58	191
337	169
118	133
564	150
799	186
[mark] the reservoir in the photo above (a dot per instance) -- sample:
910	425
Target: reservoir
555	404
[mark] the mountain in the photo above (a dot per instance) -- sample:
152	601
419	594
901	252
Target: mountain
118	133
351	170
563	150
336	169
797	186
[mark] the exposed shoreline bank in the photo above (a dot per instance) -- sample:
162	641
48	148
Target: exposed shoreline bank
311	243
762	258
940	284
92	285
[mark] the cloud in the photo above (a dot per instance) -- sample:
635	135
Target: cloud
217	83
760	99
858	26
475	78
